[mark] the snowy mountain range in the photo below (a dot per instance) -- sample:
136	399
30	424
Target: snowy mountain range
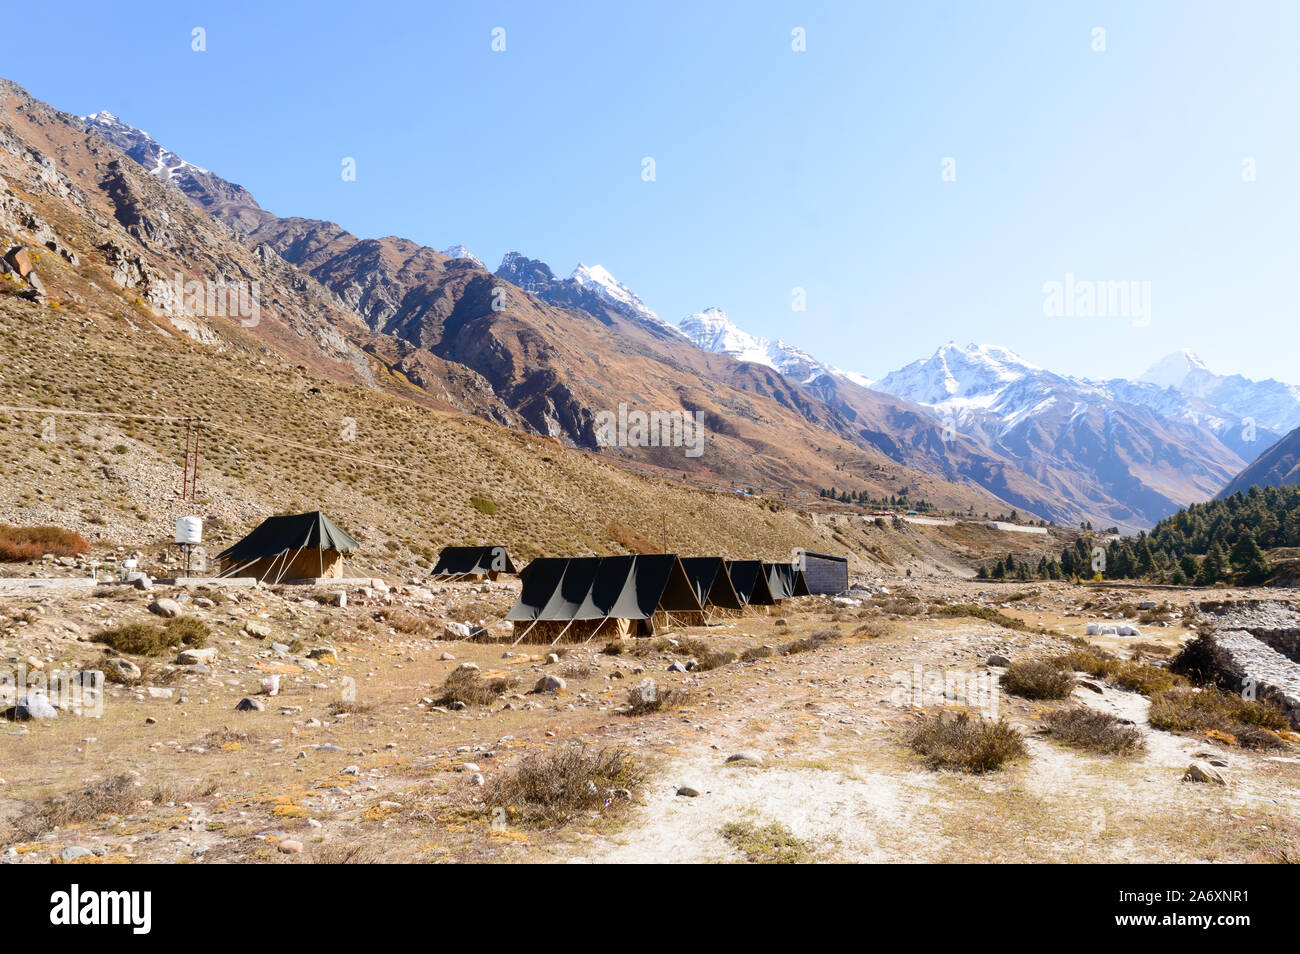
711	330
990	390
1127	452
1271	404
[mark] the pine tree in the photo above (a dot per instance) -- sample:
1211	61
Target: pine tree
1213	567
1248	560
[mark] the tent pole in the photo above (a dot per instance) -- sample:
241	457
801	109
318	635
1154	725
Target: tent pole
527	631
284	569
271	566
562	632
596	630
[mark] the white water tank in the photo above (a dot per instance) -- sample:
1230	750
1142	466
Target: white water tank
189	530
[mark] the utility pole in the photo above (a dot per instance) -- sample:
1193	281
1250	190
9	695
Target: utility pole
190	472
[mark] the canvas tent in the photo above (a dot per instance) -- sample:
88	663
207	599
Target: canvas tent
785	580
577	597
712	585
825	573
291	547
750	581
473	563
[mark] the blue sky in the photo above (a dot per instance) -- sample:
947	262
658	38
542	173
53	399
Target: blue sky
775	169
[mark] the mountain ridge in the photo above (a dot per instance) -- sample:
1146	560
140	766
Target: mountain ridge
1129	475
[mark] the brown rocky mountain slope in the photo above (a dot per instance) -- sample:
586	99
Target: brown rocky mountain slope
102	355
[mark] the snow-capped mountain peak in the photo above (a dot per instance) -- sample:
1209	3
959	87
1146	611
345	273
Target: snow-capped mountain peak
596	278
1269	404
711	330
975	373
1172	370
141	147
460	251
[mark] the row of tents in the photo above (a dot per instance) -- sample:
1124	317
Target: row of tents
578	597
575	597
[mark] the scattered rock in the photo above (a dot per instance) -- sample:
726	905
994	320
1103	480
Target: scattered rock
549	684
33	705
123	670
195	657
166	608
1204	772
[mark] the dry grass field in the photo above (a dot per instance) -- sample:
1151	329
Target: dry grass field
768	739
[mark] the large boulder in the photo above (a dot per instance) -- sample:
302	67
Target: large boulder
166	608
196	657
34	705
1204	772
549	684
123	670
19	260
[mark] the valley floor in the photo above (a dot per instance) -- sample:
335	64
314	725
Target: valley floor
352	761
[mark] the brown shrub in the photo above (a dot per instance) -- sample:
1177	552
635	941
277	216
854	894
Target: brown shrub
111	796
1037	679
807	644
20	544
1096	731
966	742
1251	723
1140	677
640	701
467	686
148	639
551	788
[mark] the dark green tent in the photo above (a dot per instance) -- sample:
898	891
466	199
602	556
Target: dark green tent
750	581
785	580
274	535
539	579
570	589
711	582
294	546
473	561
